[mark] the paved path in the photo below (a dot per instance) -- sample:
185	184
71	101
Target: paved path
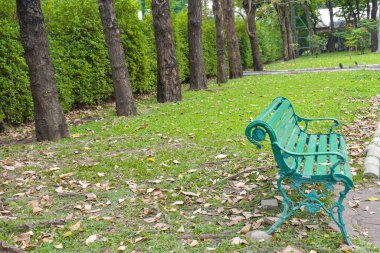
375	67
364	219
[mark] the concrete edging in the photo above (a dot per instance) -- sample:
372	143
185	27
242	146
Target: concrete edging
372	161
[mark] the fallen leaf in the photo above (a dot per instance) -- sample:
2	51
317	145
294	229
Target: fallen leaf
178	202
122	248
70	174
139	239
91	196
75	227
372	199
91	239
194	243
58	246
181	229
37	209
238	240
291	249
220	156
245	229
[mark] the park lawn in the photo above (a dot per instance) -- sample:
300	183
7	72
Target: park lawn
327	60
160	178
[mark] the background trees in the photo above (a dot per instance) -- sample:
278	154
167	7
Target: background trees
120	76
168	86
49	119
196	61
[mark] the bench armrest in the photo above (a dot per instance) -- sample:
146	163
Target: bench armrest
307	120
341	157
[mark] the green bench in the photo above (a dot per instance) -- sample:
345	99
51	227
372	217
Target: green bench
304	158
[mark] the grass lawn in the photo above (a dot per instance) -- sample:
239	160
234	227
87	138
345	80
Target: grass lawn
159	179
326	60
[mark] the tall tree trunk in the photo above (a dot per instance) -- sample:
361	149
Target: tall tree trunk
250	7
283	14
50	121
309	22
198	79
331	43
236	69
293	25
368	9
221	75
374	39
357	9
168	86
120	76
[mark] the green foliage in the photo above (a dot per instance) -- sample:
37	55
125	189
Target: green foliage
319	43
358	38
79	53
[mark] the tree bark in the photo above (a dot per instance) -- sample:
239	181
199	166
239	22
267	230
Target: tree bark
309	22
283	14
221	75
49	119
250	7
168	86
368	9
198	79
236	69
374	39
120	76
331	43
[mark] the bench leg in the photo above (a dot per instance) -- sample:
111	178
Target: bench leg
286	203
340	208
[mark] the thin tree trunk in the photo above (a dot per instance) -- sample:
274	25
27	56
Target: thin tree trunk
357	9
236	69
198	79
168	86
368	9
332	27
221	75
120	76
286	30
374	39
293	25
250	7
49	119
309	22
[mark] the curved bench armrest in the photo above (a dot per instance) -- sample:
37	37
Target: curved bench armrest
342	158
307	120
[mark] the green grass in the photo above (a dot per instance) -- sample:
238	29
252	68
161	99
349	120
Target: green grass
138	150
326	60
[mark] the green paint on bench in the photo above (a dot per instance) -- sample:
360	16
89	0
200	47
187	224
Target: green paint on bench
304	158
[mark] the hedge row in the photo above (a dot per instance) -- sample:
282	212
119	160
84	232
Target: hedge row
80	57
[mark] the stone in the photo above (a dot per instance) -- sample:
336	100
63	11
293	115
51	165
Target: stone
372	167
270	220
373	150
377	132
291	249
269	204
376	140
258	235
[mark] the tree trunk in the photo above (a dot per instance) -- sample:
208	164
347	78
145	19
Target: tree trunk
250	7
168	86
332	27
357	9
49	119
198	79
221	75
236	69
309	22
286	30
368	9
120	76
293	25
374	39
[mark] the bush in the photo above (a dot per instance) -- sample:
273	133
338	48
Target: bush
79	54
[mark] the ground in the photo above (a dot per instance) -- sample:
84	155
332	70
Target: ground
161	181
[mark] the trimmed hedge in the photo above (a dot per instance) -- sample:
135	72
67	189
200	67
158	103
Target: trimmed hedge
80	57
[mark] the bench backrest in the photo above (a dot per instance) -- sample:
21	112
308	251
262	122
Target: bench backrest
278	120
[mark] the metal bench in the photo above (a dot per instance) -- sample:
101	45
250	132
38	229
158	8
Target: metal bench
305	159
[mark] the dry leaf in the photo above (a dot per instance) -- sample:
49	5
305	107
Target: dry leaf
291	249
122	248
75	227
91	239
181	229
139	239
91	196
238	240
37	209
70	174
220	156
245	229
372	199
58	246
194	243
178	202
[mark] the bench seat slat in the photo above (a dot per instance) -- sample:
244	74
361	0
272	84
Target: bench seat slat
300	149
284	125
321	168
309	160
